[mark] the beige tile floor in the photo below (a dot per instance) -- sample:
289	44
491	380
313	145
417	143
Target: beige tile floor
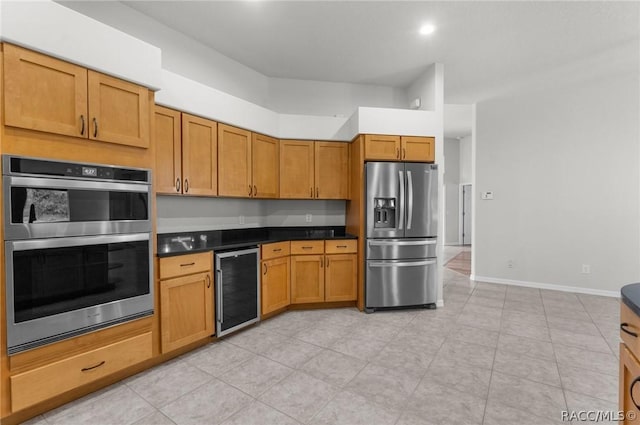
493	355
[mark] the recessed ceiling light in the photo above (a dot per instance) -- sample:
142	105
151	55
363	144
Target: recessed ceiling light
427	29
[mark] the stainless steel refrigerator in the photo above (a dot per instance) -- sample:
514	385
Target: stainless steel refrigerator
402	222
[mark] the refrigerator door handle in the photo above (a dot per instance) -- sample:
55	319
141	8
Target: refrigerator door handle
402	264
373	242
401	195
410	200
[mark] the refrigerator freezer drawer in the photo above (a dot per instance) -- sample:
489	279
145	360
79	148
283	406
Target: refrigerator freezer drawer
399	249
400	283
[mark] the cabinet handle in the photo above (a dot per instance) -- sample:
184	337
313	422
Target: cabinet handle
404	153
82	125
317	192
398	153
277	250
635	381
188	264
249	190
327	263
307	247
85	369
341	246
177	185
255	190
623	328
310	192
95	127
322	262
208	281
186	185
264	267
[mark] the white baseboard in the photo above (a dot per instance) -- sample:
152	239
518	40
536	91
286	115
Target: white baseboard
550	286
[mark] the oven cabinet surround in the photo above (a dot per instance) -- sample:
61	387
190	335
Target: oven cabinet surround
275	289
323	271
247	163
49	95
186	299
186	153
629	392
399	148
314	170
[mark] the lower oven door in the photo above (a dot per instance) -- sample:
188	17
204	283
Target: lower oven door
400	283
61	287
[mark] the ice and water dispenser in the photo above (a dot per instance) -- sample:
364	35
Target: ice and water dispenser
384	213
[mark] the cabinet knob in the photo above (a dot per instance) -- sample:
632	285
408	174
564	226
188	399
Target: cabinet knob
95	127
82	125
186	185
178	185
264	269
255	190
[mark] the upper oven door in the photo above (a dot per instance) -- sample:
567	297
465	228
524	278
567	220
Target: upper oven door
38	208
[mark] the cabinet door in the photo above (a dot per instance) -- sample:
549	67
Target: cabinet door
629	388
118	110
186	310
265	169
341	277
381	147
421	149
332	170
276	292
307	279
44	94
168	142
199	156
296	169
234	162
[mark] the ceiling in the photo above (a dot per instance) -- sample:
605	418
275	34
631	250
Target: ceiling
481	44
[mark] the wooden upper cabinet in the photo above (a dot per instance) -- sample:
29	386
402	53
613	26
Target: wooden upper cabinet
168	140
199	156
265	168
234	161
332	170
420	149
118	111
381	147
44	94
296	169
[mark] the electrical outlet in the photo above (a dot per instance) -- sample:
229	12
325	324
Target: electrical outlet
586	269
308	218
241	219
510	264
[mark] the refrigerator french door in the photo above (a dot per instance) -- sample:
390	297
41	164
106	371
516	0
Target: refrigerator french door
237	289
401	215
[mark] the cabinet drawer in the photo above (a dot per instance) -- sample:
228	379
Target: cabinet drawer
181	265
274	250
307	247
40	384
341	246
631	324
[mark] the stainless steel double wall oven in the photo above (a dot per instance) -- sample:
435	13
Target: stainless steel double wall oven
78	248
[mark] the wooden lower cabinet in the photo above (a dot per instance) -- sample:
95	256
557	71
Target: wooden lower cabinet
275	284
341	271
629	393
45	382
307	279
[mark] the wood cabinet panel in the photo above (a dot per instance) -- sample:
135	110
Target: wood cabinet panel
275	284
234	161
274	250
341	246
44	94
381	147
265	169
307	247
307	279
42	383
420	149
181	265
341	272
199	156
186	310
296	169
629	389
631	323
332	170
168	140
118	111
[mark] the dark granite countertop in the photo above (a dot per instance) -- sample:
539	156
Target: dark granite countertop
631	297
170	244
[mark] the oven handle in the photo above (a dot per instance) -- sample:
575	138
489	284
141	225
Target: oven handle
400	264
76	184
76	241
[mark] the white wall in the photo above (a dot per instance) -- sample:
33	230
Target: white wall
563	163
452	191
465	160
